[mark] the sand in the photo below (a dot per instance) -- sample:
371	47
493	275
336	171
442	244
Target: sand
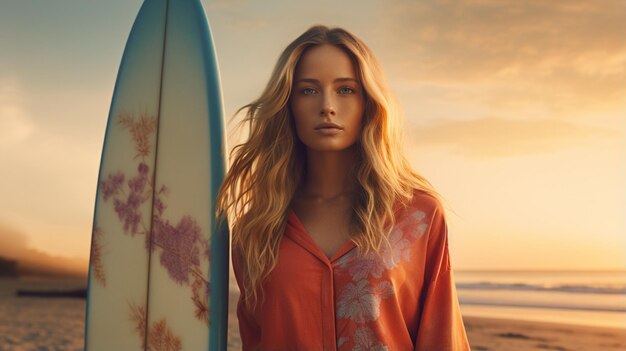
41	324
511	335
491	334
57	324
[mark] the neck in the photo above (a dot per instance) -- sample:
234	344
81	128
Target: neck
330	174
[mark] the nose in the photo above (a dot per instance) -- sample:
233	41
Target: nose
328	105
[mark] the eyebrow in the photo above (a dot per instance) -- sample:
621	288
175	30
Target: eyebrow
311	80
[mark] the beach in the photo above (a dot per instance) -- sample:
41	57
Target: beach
512	335
496	334
57	324
34	323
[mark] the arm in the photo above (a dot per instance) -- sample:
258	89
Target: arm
441	325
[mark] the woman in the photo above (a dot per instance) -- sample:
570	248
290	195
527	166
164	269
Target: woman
337	243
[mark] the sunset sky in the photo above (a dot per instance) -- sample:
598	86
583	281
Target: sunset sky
516	112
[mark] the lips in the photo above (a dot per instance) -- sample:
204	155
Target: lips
328	125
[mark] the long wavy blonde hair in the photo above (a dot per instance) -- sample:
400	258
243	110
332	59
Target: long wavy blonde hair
268	168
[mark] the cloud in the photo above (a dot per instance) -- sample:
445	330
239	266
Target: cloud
567	52
15	125
14	245
493	137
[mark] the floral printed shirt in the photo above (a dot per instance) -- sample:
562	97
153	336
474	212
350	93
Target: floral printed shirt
403	299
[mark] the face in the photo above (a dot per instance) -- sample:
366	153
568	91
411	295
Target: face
327	99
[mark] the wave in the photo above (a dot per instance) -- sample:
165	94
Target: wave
463	301
571	288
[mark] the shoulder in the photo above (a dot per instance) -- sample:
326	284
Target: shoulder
424	202
422	215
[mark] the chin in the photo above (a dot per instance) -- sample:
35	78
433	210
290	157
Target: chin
330	147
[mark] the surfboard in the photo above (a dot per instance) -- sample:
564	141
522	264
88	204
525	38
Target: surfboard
158	270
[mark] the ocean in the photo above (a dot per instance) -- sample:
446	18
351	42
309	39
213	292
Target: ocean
591	298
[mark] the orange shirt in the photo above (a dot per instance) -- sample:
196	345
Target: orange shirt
404	299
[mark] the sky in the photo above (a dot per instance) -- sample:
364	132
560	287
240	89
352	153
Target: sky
515	111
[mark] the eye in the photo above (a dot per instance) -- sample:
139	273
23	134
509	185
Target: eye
346	90
307	91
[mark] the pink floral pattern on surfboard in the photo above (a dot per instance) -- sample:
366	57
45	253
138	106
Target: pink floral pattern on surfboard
160	337
179	246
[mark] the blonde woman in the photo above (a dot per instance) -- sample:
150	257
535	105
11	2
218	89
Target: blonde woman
337	243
